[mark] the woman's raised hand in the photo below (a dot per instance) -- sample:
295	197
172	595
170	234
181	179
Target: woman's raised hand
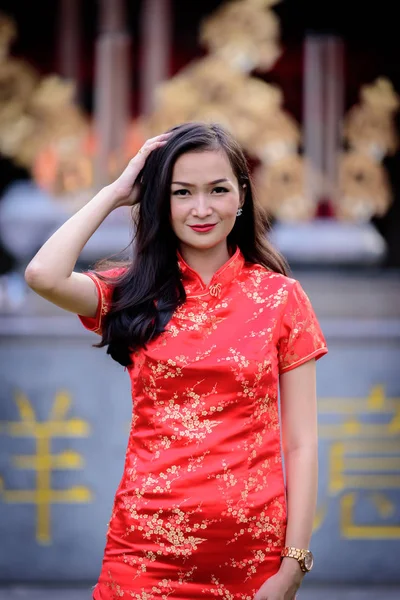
125	187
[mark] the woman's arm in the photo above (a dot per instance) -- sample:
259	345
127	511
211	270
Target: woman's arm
300	448
50	273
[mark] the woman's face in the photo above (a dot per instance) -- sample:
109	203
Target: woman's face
205	197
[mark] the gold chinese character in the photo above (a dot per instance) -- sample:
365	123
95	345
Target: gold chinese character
364	461
43	462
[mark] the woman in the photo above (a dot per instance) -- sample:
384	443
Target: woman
209	327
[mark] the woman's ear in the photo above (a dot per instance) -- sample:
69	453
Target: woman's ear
242	194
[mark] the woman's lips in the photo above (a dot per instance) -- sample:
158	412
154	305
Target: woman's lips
203	228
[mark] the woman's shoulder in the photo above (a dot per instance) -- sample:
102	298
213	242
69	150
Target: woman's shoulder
107	277
110	273
268	277
275	289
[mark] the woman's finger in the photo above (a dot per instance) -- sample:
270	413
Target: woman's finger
149	147
163	136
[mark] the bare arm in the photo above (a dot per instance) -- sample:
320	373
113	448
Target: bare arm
300	446
51	272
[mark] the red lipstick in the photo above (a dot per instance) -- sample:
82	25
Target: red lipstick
203	228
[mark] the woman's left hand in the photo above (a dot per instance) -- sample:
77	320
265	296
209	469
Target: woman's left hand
283	585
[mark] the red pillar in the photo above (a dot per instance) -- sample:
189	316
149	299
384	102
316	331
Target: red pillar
112	89
68	41
155	50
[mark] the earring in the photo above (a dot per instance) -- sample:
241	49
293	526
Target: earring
239	212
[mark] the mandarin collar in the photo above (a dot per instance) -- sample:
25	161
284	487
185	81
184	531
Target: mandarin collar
195	286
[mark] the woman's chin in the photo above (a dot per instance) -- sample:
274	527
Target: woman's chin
206	243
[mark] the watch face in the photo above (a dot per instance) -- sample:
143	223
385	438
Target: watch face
308	561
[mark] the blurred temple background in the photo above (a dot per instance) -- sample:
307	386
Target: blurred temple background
312	92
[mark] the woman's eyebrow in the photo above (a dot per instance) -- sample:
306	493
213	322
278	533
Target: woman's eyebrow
192	185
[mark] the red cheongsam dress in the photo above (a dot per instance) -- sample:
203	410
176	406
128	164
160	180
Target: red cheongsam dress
200	511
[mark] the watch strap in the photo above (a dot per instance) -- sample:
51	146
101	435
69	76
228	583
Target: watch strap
297	553
292	552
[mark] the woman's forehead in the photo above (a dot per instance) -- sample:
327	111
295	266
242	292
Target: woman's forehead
200	166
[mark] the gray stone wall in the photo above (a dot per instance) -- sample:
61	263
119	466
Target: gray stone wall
64	420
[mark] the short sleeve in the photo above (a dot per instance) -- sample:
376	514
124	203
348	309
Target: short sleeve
301	338
105	288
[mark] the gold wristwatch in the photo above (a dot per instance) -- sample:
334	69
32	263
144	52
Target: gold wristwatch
305	558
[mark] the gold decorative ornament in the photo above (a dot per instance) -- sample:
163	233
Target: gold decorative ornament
17	83
369	126
370	132
278	136
380	96
281	189
364	189
38	114
243	34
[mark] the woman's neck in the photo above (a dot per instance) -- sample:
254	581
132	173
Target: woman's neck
205	262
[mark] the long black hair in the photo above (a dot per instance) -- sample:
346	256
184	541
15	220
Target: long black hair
150	289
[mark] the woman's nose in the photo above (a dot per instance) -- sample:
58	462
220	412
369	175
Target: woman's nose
202	207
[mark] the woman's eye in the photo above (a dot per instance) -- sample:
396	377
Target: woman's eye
180	192
220	190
